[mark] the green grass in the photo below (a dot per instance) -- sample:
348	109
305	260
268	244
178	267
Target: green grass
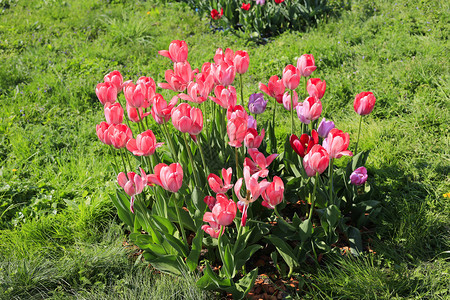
59	235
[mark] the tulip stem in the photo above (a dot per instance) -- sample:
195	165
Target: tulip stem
114	157
292	113
330	178
277	213
313	196
194	170
359	132
128	159
181	223
242	90
237	162
237	237
205	167
169	139
124	164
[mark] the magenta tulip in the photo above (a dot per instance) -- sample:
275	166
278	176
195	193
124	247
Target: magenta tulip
359	176
325	127
251	122
364	103
217	185
309	110
169	177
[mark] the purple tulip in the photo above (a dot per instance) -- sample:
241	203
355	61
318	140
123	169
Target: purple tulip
257	104
325	127
251	123
359	176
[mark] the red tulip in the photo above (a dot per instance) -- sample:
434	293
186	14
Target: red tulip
291	78
210	201
337	143
119	135
275	88
132	184
236	111
252	139
161	111
309	110
303	145
237	127
260	162
305	65
113	113
115	78
101	130
274	193
215	14
178	51
241	61
217	185
169	177
144	145
364	103
245	6
106	92
316	161
279	1
226	97
187	119
316	87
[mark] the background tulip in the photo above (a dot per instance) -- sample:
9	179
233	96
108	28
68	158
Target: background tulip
178	51
287	100
306	65
364	103
316	87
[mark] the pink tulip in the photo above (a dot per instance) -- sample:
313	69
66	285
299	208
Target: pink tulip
161	111
213	229
287	100
133	113
227	57
148	88
187	119
364	103
224	211
217	185
225	97
337	143
115	78
101	130
224	73
184	71
236	111
303	145
316	87
178	51
210	201
135	96
144	145
274	193
316	161
237	127
174	82
169	177
309	110
106	92
252	185
197	92
241	61
133	185
119	135
252	139
275	88
291	79
305	65
113	113
259	162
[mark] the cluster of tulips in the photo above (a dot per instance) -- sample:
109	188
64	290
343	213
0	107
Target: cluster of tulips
178	197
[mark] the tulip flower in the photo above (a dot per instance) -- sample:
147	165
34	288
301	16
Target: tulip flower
305	65
316	87
184	71
236	111
217	185
257	104
133	113
291	78
359	176
187	119
275	88
106	92
178	51
119	135
251	122
148	88
260	2
224	211
241	61
101	130
135	97
364	103
245	6
259	162
168	177
287	100
113	113
115	78
309	110
337	143
210	201
161	111
237	127
227	57
224	73
225	97
213	229
174	82
144	145
316	161
279	1
274	193
252	139
196	92
215	14
303	145
325	127
132	184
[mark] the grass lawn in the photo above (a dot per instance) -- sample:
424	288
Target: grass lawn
59	233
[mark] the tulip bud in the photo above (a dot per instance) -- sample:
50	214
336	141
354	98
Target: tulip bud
359	176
